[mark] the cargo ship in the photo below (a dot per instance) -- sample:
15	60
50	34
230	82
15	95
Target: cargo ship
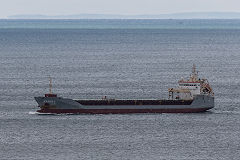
191	96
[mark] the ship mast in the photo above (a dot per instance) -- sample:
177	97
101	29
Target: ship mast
50	94
194	76
194	69
50	85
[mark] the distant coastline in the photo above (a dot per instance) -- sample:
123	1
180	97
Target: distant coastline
187	15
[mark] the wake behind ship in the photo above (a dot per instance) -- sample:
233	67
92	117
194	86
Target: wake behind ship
191	96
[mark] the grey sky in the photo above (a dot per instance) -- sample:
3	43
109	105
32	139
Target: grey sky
65	7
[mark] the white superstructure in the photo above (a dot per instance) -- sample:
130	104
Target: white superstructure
190	87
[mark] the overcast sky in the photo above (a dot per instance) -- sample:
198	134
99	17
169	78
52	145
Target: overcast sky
131	7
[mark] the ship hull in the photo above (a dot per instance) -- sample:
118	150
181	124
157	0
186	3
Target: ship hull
57	105
121	111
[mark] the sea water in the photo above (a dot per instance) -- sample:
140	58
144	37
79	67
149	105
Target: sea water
123	59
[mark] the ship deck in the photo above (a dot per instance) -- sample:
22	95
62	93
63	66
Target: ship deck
134	102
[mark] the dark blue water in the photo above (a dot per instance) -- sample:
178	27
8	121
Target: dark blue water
141	61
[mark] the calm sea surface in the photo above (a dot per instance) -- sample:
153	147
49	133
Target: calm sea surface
119	59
